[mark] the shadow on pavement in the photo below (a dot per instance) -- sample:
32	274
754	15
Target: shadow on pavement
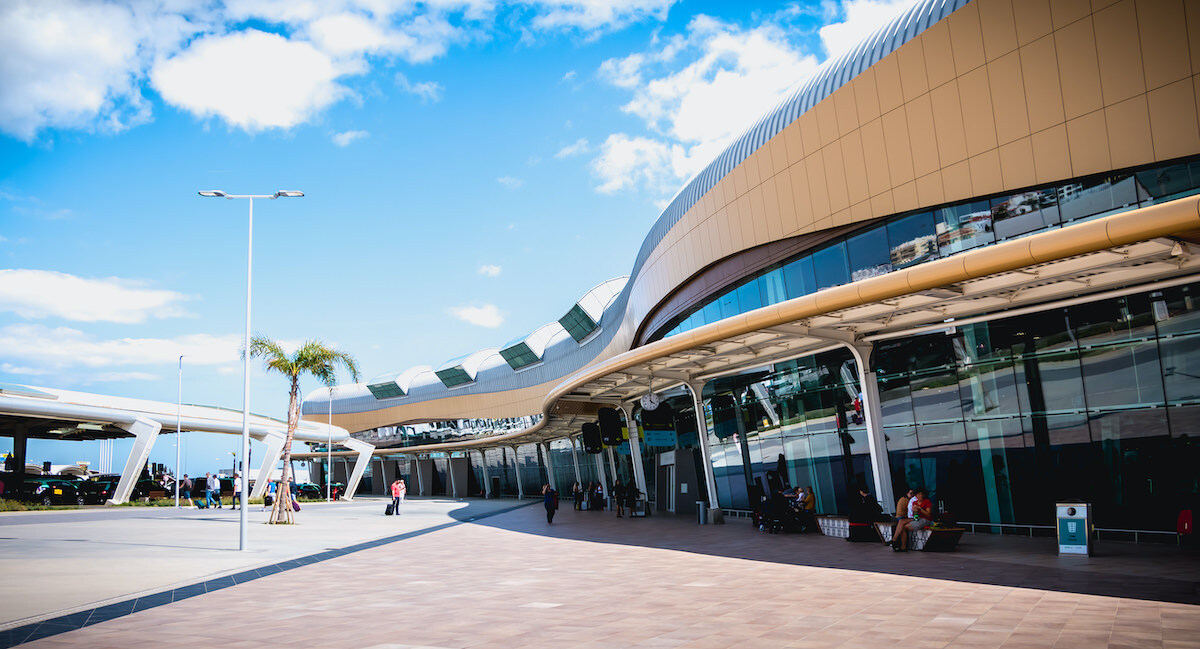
1149	572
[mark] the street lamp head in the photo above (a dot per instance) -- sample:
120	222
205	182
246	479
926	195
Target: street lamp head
213	193
288	193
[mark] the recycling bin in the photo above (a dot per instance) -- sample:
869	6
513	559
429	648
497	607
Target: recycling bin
1074	525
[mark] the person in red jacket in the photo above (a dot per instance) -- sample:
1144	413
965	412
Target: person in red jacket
922	516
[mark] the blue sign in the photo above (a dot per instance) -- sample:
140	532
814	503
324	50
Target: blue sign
660	438
622	448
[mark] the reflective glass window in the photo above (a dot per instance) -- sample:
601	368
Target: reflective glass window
771	287
710	313
1094	197
799	278
935	396
1181	368
869	254
962	227
1176	310
1168	183
988	390
912	240
1107	321
1049	383
948	436
728	303
830	266
748	296
1122	376
1019	214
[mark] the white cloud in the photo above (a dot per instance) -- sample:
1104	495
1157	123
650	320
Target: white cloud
345	138
491	270
428	91
596	15
487	315
729	77
626	162
44	293
861	19
580	146
82	64
569	75
510	182
118	377
39	348
79	64
253	80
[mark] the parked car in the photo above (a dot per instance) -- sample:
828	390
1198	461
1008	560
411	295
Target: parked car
97	492
50	490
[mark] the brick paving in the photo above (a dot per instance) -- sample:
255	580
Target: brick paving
591	580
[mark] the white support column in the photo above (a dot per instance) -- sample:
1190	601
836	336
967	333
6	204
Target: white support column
450	474
517	470
274	441
364	456
415	463
575	461
144	431
600	473
873	414
697	390
550	477
635	450
612	467
487	482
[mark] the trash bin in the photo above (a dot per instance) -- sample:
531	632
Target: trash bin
701	512
1074	525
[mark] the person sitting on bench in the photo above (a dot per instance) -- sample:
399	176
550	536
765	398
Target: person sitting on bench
922	515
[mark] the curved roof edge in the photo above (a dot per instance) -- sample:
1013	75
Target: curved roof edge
829	77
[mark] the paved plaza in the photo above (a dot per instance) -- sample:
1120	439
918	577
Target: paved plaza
491	573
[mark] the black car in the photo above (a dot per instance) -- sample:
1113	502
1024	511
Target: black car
50	490
97	492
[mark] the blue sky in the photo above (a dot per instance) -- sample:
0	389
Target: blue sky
471	168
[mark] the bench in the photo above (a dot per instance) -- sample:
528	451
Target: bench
929	539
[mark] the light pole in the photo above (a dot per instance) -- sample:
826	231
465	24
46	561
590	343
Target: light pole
178	430
329	452
216	193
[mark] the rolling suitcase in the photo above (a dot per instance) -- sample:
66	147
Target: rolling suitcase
391	509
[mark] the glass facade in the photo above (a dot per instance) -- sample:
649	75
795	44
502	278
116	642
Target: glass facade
999	420
519	355
453	376
912	238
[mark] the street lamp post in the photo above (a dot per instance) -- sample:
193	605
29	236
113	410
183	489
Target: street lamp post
178	430
329	452
216	193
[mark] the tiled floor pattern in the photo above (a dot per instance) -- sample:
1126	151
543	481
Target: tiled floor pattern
81	619
512	581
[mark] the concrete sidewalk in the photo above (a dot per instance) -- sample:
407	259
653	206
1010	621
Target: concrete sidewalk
60	562
592	580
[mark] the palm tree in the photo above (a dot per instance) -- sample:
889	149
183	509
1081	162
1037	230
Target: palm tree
314	358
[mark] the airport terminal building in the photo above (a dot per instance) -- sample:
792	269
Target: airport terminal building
960	257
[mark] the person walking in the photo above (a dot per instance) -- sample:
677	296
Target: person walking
237	490
185	489
208	491
550	501
397	495
216	488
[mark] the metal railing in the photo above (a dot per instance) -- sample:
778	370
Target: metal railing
1137	534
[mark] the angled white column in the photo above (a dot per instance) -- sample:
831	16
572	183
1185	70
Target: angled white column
635	449
274	441
600	473
575	461
550	477
697	389
612	467
487	482
517	470
144	431
881	469
364	456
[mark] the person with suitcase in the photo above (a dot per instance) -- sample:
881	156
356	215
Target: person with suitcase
397	495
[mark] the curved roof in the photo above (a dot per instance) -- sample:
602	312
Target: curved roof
564	356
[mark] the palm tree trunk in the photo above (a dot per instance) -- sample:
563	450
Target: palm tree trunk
282	511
